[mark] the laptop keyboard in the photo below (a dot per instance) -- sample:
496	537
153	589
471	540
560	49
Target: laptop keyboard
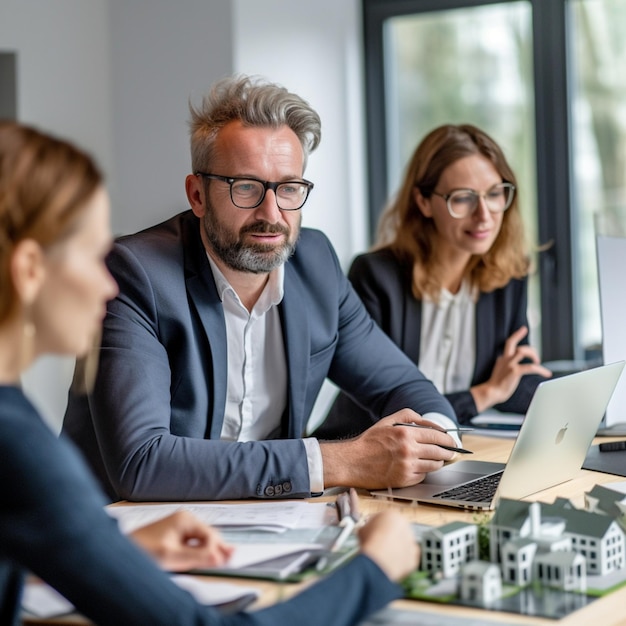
479	490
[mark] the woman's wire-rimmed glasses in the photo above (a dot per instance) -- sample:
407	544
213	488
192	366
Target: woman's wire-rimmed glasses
463	202
249	193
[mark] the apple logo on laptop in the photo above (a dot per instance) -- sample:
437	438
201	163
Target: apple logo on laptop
561	434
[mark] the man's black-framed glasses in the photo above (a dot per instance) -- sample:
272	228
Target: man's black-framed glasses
248	193
463	202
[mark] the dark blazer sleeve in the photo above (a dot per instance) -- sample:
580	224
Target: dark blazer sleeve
372	370
350	348
52	523
383	285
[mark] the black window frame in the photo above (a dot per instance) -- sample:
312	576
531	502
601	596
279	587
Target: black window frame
556	224
8	85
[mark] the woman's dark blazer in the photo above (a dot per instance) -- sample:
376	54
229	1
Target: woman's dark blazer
384	285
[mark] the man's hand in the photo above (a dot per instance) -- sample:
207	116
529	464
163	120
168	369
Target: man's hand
387	539
508	371
386	455
180	542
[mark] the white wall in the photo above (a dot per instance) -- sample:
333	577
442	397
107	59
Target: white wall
64	86
162	53
63	68
116	76
314	49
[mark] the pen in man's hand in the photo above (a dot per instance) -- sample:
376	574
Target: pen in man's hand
452	448
441	430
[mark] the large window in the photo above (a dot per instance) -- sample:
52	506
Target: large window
543	77
598	109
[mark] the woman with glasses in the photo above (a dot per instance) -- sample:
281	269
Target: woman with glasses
54	284
447	280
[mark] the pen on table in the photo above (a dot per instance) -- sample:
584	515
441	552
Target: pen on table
347	504
342	503
354	505
349	516
452	448
347	527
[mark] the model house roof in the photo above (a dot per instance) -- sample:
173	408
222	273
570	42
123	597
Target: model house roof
580	522
514	514
606	499
562	558
510	513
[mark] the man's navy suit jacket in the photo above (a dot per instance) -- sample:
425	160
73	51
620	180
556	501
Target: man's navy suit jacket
151	427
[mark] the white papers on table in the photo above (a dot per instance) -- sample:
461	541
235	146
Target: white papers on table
276	561
43	601
215	594
281	537
248	554
275	516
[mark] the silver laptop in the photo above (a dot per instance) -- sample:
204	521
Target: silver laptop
550	449
611	253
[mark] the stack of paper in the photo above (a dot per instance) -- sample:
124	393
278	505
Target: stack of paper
276	540
275	516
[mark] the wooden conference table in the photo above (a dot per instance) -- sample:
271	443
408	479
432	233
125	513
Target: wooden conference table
608	611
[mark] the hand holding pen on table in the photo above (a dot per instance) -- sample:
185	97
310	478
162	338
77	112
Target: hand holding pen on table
442	430
385	456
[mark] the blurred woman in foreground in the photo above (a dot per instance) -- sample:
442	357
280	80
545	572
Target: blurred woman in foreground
54	284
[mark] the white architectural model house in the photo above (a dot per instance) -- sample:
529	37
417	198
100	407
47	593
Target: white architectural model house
446	548
563	570
540	555
480	583
598	538
517	561
531	540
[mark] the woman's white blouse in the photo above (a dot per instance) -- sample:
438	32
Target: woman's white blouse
448	340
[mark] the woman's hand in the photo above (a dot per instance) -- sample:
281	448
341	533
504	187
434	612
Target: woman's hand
507	372
388	540
181	542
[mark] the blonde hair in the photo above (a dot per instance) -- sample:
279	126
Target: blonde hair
45	183
410	235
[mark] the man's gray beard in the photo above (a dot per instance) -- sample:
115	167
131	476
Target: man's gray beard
242	257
